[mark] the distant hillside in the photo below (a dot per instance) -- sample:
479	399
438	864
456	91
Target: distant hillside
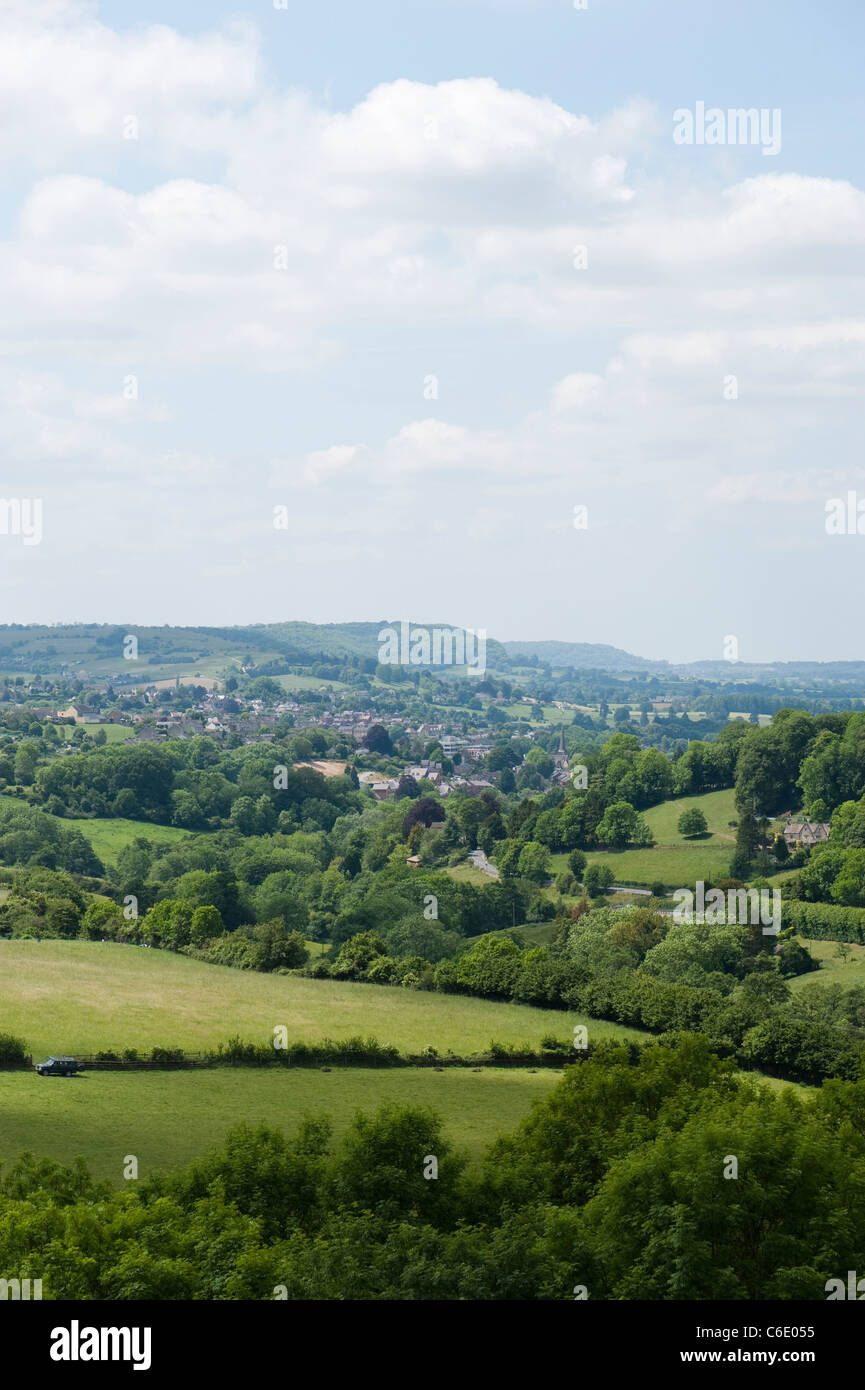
94	652
346	639
583	656
781	671
330	639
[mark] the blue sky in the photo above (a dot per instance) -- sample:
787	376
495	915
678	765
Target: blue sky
427	380
790	53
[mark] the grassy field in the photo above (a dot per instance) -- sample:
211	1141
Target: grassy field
777	1083
291	683
317	948
832	971
532	713
80	996
114	733
534	933
470	873
109	835
674	860
718	807
166	1119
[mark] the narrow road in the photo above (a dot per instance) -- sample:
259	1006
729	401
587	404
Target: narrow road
480	861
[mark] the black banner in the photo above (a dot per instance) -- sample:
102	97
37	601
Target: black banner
85	1340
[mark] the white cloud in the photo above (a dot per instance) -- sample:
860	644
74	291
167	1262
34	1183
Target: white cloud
324	464
461	200
577	391
248	226
68	83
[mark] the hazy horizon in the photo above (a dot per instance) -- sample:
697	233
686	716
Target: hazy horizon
441	622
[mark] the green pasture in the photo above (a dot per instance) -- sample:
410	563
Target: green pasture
87	996
167	1119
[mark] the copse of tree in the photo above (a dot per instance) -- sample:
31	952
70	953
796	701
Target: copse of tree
502	756
539	761
706	766
101	919
577	863
92	782
597	879
822	758
692	822
618	825
534	862
377	740
507	781
265	688
29	836
848	823
426	811
12	1048
195	785
621	825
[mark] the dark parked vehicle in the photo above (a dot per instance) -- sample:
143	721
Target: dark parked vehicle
59	1066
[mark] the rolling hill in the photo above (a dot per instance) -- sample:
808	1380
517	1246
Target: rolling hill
83	996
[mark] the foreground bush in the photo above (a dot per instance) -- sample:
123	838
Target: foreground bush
825	921
12	1049
614	1182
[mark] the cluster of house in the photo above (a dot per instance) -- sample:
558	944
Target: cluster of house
804	834
82	716
353	723
430	731
467	749
216	715
387	788
212	718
